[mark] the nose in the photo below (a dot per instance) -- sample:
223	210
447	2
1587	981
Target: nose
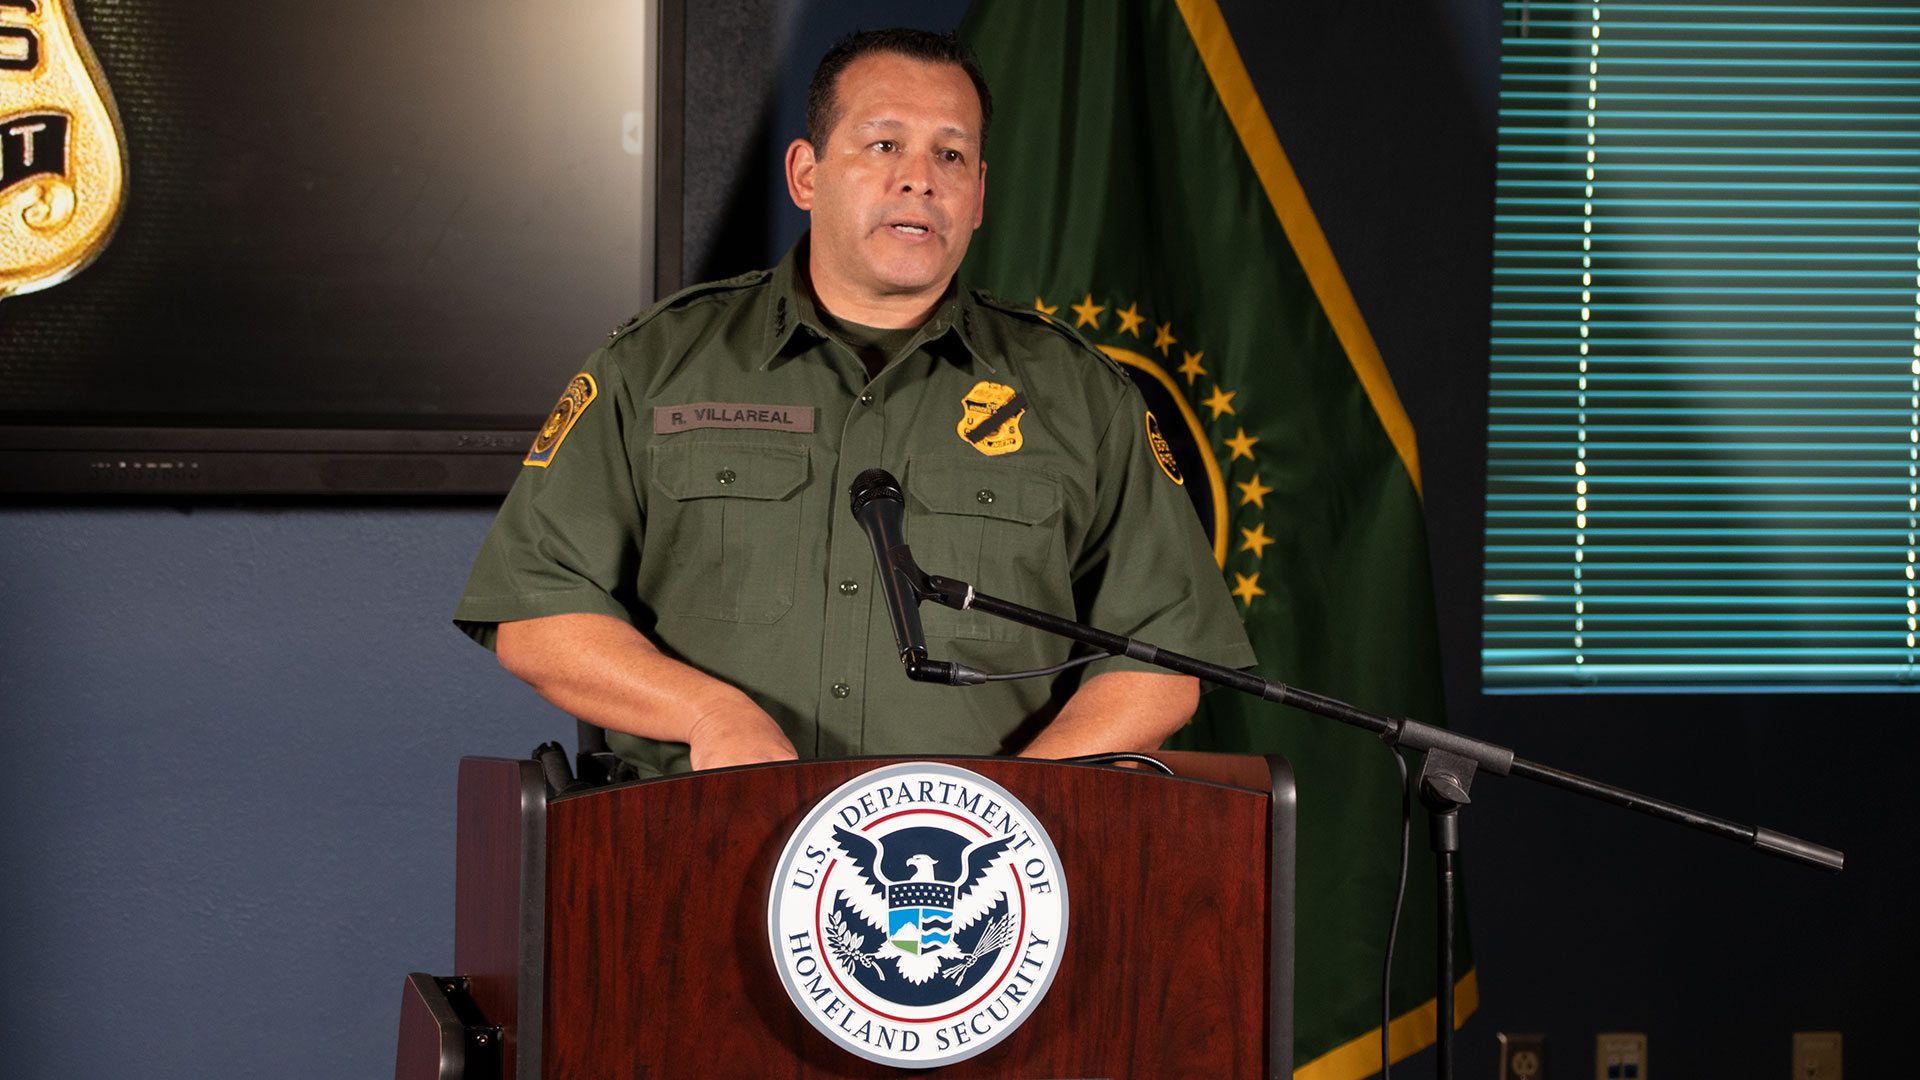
915	176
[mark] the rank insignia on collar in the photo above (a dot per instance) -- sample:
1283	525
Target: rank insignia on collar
579	394
1163	451
991	420
63	167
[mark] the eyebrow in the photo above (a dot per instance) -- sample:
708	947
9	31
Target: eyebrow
886	124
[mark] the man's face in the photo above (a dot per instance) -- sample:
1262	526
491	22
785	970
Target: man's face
897	190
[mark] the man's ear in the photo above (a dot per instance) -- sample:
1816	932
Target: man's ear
800	163
980	206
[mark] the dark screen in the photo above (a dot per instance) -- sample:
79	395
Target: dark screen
359	213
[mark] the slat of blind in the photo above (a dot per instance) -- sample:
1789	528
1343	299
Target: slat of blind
1705	406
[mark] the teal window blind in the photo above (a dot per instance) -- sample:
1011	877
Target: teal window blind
1705	404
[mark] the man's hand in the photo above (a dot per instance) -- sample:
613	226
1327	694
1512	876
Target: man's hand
605	672
1120	710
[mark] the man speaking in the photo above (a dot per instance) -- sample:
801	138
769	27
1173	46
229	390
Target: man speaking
677	563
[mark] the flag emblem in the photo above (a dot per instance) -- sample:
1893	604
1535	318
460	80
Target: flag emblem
1192	259
579	394
916	903
990	422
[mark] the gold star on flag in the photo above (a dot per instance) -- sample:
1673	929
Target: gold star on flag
1256	540
1190	367
1163	337
1241	445
1253	491
1040	306
1088	312
1248	587
1131	319
1221	401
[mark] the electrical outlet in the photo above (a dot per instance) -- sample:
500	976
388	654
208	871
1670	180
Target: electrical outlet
1620	1056
1816	1055
1522	1057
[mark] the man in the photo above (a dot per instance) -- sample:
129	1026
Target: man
678	563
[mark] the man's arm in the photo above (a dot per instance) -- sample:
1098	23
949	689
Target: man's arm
1120	710
605	672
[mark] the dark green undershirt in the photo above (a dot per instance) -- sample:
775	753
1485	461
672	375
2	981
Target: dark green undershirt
875	346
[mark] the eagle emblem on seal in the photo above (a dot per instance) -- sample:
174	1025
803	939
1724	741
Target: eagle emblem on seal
917	920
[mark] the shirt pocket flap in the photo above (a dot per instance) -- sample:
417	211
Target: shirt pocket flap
1005	492
733	470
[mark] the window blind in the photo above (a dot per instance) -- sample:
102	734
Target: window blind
1704	421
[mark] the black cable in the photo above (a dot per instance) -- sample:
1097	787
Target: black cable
1054	670
1123	755
1399	897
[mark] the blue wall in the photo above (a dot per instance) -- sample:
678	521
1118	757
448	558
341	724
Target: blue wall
228	820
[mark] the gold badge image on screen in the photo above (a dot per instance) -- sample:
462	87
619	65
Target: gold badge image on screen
63	167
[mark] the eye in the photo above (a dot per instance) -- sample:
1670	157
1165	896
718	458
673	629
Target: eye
951	157
885	146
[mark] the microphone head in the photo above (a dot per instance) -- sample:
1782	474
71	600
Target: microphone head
874	484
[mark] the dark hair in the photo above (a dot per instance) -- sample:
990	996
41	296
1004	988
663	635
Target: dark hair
823	94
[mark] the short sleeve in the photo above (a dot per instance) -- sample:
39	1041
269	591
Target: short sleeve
567	538
1147	570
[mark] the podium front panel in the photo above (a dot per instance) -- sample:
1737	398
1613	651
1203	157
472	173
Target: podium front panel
658	963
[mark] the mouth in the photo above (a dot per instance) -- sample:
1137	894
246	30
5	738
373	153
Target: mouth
909	228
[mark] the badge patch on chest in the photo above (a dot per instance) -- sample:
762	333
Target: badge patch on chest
580	393
991	420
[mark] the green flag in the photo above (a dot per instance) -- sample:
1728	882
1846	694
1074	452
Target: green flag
1136	191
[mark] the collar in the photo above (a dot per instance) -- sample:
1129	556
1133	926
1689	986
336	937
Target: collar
792	310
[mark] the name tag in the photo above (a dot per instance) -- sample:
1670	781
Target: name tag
668	419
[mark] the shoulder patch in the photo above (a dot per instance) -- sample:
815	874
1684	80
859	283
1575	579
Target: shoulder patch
691	292
1163	451
574	401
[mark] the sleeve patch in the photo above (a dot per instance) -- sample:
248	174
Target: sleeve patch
1163	451
579	394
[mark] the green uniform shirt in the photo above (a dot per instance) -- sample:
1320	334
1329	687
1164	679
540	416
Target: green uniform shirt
693	482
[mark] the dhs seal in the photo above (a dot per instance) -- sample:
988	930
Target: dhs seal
918	915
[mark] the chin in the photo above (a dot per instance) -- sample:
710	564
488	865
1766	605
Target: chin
920	267
915	275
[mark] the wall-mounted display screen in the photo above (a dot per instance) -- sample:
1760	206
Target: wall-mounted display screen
361	245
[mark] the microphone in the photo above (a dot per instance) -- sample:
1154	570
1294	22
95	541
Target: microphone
879	506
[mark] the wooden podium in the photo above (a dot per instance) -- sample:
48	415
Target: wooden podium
621	931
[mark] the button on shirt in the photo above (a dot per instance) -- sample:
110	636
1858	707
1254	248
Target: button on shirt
700	494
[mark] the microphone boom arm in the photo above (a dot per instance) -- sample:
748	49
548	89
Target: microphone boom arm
1411	734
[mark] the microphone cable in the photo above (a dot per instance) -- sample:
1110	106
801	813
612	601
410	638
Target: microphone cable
1054	670
1399	898
1148	761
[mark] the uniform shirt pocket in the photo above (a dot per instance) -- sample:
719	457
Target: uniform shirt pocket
996	528
720	543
